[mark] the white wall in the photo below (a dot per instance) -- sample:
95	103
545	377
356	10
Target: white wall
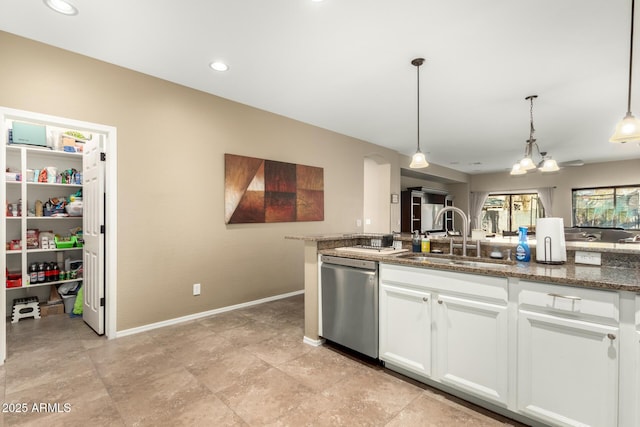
377	196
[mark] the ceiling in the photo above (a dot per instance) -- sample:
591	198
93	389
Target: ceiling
345	65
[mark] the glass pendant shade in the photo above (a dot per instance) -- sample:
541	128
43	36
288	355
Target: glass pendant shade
418	161
517	169
549	165
527	164
627	130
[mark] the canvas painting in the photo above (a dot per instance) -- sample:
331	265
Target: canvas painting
258	190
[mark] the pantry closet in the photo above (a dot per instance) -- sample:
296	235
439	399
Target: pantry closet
58	219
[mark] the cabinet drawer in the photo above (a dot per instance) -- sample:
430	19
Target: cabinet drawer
571	301
490	288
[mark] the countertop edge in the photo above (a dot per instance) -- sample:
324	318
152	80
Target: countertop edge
606	278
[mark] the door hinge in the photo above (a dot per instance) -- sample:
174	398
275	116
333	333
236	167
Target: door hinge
102	302
103	157
102	229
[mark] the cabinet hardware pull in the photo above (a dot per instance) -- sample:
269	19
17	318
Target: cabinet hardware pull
565	296
611	337
439	301
425	299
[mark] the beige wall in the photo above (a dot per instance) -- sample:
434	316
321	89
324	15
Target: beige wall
171	145
566	179
377	206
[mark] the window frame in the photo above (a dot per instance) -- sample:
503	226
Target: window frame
533	194
615	202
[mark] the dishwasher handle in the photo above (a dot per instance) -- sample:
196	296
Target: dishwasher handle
350	262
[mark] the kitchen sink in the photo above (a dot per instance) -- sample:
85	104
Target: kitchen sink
455	261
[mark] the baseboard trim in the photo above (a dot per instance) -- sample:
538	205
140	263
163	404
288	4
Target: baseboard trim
195	316
315	343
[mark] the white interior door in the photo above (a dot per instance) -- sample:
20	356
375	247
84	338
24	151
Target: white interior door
93	220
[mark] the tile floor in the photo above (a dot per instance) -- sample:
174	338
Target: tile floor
247	367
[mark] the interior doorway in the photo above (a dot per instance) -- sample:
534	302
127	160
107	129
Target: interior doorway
99	215
377	195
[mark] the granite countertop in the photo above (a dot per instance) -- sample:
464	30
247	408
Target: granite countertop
334	236
498	242
609	278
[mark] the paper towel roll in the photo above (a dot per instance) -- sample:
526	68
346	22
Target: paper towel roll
550	244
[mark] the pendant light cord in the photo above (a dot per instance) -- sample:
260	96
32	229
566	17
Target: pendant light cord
528	149
532	129
418	109
630	58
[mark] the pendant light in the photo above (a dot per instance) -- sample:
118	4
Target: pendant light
549	165
526	163
628	129
418	160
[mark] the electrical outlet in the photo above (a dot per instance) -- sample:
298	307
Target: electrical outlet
196	289
358	223
591	258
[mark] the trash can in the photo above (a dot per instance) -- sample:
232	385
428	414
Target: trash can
69	301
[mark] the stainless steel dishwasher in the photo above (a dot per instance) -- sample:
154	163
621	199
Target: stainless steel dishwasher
350	303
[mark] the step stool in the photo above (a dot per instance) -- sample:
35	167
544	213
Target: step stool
25	307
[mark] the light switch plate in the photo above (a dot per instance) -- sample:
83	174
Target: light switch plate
591	258
196	289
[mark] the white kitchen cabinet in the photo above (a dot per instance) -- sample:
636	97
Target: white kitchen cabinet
472	346
568	355
636	408
467	332
637	390
405	327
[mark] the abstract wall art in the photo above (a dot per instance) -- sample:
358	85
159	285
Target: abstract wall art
258	191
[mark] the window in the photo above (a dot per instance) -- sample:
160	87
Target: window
507	212
609	207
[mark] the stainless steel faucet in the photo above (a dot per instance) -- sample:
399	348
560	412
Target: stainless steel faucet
465	224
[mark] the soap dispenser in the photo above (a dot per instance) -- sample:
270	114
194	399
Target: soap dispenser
523	252
416	242
425	245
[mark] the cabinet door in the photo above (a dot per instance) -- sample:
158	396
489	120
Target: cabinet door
471	346
637	408
405	328
567	370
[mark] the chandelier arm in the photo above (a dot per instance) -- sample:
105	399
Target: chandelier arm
537	149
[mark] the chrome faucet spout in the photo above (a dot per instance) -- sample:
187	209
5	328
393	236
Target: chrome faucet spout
465	224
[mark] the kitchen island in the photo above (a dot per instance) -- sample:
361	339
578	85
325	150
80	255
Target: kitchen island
620	269
546	344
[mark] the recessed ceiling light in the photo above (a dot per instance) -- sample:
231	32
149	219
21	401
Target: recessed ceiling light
219	66
62	6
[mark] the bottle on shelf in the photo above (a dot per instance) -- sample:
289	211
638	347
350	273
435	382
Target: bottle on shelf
33	273
47	272
55	275
41	273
